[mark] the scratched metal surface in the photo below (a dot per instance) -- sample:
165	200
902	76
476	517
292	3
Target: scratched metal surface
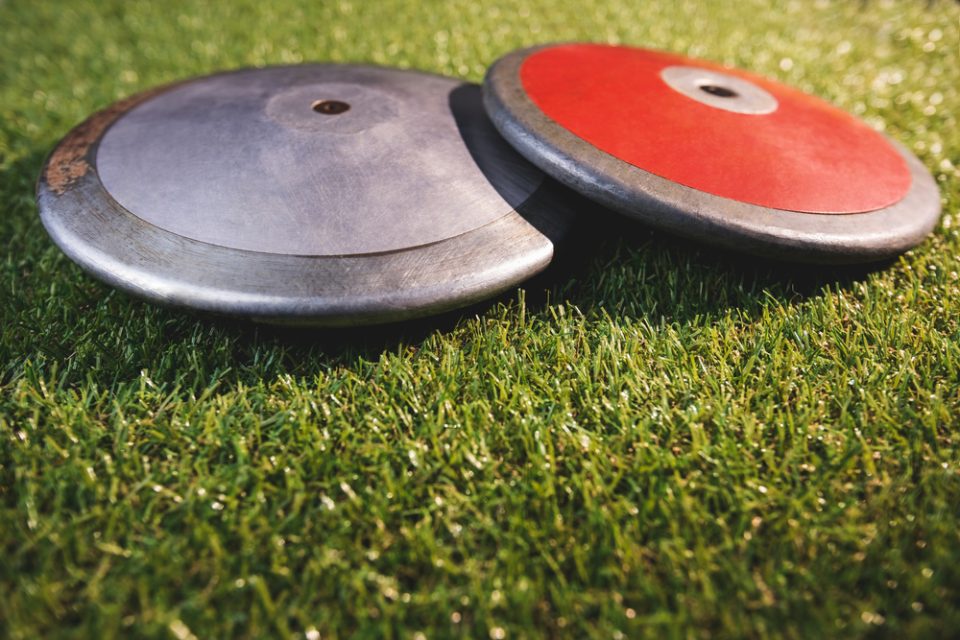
789	235
243	160
464	219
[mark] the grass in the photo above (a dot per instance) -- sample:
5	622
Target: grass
653	439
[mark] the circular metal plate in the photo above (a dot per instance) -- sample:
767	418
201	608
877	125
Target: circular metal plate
318	194
713	153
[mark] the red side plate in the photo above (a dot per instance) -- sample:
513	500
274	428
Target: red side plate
804	156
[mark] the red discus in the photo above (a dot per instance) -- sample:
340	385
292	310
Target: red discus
712	152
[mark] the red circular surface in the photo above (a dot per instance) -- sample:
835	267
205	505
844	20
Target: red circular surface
805	156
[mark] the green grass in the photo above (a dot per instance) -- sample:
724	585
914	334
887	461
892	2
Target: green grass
652	439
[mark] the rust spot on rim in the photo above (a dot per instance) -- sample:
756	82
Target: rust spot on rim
69	161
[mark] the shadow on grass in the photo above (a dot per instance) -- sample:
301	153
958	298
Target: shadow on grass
683	281
600	244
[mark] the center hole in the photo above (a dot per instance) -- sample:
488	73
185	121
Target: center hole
330	107
720	92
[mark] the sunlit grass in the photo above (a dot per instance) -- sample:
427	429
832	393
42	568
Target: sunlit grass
653	439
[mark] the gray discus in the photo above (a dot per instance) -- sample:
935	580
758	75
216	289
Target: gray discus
314	194
713	153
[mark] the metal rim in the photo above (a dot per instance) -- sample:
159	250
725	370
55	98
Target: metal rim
804	237
123	250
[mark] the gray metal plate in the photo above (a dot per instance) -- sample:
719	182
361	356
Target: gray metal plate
243	160
240	193
791	235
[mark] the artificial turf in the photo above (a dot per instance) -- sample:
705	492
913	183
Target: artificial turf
652	439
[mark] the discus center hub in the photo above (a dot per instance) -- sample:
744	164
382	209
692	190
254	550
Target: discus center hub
330	107
719	91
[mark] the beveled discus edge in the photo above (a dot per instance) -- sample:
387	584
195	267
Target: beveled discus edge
636	193
119	248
